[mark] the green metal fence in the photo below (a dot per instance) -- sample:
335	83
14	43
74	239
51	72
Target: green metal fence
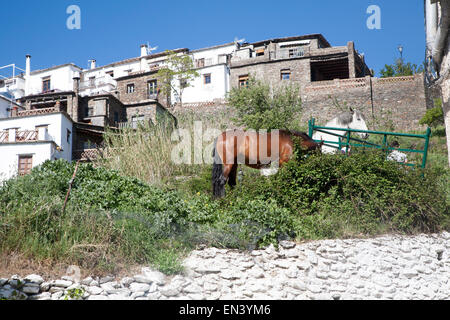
346	141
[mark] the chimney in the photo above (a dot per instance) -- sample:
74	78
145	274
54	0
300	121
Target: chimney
76	82
27	74
93	63
28	66
144	50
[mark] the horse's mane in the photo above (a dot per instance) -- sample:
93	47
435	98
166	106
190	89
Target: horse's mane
301	134
347	117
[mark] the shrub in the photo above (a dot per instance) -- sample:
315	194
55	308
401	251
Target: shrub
334	195
259	106
433	117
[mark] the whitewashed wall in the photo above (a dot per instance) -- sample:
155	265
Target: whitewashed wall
4	106
9	155
60	79
57	123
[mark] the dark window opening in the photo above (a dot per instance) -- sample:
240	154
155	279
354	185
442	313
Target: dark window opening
207	78
329	70
285	74
243	81
152	89
46	84
130	88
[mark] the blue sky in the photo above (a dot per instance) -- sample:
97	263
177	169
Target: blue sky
113	30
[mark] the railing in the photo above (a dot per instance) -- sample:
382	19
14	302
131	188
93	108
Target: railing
289	53
42	111
4	136
86	154
21	136
98	82
345	139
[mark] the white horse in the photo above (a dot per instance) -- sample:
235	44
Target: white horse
352	119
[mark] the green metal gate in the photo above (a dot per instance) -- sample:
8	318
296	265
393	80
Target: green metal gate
345	141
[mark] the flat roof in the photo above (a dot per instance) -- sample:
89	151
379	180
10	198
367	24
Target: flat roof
303	37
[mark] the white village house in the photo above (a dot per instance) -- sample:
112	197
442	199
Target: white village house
28	141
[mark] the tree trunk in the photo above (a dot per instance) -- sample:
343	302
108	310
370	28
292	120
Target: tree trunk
446	109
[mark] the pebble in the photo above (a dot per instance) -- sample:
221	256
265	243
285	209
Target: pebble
388	267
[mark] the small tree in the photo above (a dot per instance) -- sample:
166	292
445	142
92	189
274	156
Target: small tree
434	116
399	69
259	106
177	75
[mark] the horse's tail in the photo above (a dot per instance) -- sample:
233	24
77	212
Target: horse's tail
218	179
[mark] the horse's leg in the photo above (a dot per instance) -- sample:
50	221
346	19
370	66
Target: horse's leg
232	176
219	179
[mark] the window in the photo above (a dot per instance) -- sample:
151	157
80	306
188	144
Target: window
92	81
130	88
207	78
116	116
201	63
46	84
285	74
110	73
25	165
89	111
243	81
152	88
259	52
69	133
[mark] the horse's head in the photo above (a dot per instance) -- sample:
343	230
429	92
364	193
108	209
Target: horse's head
358	123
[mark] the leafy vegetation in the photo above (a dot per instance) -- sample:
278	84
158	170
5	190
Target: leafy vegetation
399	69
259	106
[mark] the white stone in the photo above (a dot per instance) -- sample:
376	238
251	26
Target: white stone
34	278
139	287
192	288
41	296
169	291
87	281
105	279
95	290
142	279
410	273
62	283
98	297
31	288
155	276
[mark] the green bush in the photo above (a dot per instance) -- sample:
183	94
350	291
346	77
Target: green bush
334	195
433	117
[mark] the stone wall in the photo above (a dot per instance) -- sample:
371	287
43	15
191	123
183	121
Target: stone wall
388	267
398	101
140	94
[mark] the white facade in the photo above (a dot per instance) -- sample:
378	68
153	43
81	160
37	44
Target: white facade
214	80
44	137
61	79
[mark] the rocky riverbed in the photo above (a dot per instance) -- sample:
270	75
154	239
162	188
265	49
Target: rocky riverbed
387	267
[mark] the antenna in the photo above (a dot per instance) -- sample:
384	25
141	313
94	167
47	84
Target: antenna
238	41
150	49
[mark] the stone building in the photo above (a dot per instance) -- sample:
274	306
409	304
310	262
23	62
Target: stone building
302	59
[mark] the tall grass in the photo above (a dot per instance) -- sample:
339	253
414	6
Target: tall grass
143	153
147	152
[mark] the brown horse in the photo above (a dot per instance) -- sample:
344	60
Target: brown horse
255	150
